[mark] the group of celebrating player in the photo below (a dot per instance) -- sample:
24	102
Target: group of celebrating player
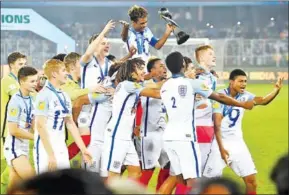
126	114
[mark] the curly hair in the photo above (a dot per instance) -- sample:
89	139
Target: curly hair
136	12
129	67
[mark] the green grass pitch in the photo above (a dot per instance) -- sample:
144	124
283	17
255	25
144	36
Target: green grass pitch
265	131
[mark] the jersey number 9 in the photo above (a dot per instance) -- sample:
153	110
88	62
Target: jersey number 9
234	117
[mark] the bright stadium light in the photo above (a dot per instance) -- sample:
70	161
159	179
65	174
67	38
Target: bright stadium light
272	19
238	22
211	26
208	24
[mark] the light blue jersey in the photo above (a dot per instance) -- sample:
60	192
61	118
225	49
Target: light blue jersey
20	111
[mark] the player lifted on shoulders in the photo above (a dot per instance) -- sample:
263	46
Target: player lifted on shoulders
52	113
118	145
20	126
180	139
139	35
228	147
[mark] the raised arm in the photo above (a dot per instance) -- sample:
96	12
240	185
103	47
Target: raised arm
162	41
124	32
271	96
87	56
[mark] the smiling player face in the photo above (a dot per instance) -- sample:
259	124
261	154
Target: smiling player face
141	24
30	83
239	84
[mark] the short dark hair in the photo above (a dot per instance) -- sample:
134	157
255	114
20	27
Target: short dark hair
115	67
175	62
279	175
66	181
59	56
235	73
125	71
187	61
111	57
151	63
25	72
136	12
13	57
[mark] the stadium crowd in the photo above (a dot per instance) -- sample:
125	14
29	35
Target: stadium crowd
131	114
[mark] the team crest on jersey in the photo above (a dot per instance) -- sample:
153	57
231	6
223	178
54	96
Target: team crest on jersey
116	164
41	105
182	90
13	112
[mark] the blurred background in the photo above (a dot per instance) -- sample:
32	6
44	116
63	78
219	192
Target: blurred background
250	35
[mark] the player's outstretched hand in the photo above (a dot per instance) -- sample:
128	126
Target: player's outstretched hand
124	23
109	91
132	51
87	157
225	156
109	26
52	165
97	89
279	83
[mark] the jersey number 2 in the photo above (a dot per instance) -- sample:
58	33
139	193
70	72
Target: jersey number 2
234	118
174	102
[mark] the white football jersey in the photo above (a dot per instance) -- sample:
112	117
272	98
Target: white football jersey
153	115
123	110
231	126
55	105
93	73
178	96
142	42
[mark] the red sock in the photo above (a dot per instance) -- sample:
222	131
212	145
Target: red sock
251	193
163	175
145	177
182	189
73	149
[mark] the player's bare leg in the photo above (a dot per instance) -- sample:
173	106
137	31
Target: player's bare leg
251	184
133	171
14	178
169	185
23	167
